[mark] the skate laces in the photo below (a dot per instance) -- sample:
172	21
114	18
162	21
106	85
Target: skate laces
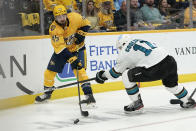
87	97
136	104
43	96
131	105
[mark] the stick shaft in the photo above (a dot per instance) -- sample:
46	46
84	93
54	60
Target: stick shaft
28	91
192	93
83	113
79	98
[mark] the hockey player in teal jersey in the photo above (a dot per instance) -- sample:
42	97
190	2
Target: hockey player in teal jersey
144	62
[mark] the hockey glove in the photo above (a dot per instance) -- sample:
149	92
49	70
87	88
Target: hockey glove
99	77
75	63
80	36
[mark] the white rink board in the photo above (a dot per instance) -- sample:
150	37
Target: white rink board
100	49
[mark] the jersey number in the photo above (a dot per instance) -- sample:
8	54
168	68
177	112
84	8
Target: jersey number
55	38
137	47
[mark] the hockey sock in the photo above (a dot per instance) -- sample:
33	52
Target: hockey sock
81	74
49	78
132	88
133	92
180	92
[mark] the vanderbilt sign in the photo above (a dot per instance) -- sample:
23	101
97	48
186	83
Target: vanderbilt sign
186	51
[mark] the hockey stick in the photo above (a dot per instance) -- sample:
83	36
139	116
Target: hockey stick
83	113
178	101
30	92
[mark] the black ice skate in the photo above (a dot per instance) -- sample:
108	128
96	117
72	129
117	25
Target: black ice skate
190	104
43	98
89	99
135	106
89	102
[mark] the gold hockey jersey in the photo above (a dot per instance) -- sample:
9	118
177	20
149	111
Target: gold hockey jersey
62	38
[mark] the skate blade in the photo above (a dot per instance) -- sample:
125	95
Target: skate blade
140	111
192	107
43	102
89	106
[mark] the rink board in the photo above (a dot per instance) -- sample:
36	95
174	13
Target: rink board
69	92
25	59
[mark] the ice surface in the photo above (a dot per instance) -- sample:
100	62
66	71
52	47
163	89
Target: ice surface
59	115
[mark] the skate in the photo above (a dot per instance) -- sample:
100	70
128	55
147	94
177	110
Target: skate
190	104
89	102
134	106
43	98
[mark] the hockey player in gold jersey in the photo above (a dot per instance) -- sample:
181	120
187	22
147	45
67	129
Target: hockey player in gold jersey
67	34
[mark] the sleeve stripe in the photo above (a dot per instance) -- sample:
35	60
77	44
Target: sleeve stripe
114	74
84	28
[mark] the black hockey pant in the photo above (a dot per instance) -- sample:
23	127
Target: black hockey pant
166	70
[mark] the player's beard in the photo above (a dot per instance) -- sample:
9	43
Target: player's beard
62	22
62	25
61	19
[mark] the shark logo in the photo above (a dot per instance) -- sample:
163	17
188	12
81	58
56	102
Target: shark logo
66	75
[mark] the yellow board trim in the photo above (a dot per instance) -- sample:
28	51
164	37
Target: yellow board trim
95	34
69	92
24	38
182	79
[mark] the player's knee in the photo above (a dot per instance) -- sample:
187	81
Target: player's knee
49	74
81	74
126	79
136	74
170	81
128	75
170	84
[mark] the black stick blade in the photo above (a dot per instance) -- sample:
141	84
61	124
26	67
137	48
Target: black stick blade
175	101
84	113
24	89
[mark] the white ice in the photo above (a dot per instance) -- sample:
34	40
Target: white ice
59	115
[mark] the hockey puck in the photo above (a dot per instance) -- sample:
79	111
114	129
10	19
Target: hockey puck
76	121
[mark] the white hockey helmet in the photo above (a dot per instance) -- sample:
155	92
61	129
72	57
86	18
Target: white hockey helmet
122	40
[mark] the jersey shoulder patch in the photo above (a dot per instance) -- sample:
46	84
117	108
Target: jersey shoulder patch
52	27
